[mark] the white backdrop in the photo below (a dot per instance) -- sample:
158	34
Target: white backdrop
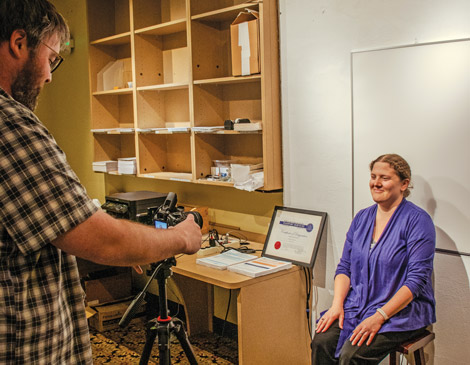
415	101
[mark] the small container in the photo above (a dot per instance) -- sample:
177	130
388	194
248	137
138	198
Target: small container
221	169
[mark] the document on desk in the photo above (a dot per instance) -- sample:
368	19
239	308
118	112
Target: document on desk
225	259
260	266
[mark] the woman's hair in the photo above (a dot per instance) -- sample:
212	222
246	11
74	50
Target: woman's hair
400	166
38	18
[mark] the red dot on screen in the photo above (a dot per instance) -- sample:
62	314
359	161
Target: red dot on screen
277	245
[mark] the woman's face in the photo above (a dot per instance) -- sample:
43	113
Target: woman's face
385	185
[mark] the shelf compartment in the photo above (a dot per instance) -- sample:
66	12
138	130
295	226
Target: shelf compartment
102	54
108	18
242	148
148	13
156	108
210	59
161	59
221	10
164	153
113	146
112	111
216	102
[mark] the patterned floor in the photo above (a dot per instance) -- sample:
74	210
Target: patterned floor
124	346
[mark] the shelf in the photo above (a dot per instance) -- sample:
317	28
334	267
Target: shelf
113	146
214	182
229	80
126	91
216	102
177	88
185	177
108	18
150	13
175	26
164	153
163	87
211	12
157	107
228	132
112	111
115	40
161	59
241	148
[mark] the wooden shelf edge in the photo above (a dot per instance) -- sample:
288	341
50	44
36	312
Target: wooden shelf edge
125	91
163	87
171	27
174	176
224	13
229	80
113	40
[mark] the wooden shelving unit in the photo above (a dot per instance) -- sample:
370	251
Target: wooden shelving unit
180	76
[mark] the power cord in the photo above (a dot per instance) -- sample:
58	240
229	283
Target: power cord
226	313
308	289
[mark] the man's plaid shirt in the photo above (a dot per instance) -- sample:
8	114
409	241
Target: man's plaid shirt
42	316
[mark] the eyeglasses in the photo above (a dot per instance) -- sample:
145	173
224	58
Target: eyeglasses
58	59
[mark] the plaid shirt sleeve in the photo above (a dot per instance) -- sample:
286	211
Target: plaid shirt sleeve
42	197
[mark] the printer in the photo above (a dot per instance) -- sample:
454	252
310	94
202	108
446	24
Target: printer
132	205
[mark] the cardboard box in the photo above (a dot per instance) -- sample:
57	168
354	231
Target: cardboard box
244	34
106	317
112	285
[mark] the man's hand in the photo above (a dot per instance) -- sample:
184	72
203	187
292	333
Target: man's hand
191	233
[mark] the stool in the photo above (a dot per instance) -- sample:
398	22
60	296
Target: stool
415	347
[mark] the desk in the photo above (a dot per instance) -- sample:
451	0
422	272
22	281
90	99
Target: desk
272	324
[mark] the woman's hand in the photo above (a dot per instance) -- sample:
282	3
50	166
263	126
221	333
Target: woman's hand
331	315
367	329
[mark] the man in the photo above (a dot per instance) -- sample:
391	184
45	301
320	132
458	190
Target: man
46	217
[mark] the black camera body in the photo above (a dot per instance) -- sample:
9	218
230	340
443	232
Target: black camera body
168	214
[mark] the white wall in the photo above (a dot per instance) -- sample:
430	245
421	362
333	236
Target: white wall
317	37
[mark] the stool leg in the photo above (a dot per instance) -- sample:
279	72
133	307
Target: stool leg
393	358
419	357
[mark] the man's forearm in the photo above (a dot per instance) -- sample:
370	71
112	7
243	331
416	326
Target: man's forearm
106	240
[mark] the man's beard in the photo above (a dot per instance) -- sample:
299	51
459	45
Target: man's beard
24	89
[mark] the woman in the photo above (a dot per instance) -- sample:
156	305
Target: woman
383	291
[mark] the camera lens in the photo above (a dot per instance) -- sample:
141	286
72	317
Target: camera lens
197	218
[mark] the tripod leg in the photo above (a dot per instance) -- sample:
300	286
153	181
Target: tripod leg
181	335
150	339
164	343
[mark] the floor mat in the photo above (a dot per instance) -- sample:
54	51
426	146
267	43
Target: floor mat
125	345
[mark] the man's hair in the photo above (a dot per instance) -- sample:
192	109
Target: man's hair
38	18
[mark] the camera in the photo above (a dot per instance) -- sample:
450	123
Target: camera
168	214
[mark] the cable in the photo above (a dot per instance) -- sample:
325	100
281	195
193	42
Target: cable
226	314
308	286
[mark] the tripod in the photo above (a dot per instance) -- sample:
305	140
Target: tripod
162	326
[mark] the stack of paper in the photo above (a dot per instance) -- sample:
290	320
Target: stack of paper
257	126
127	166
225	259
260	266
105	166
208	129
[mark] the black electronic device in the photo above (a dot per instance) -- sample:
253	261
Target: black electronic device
168	214
132	205
228	124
